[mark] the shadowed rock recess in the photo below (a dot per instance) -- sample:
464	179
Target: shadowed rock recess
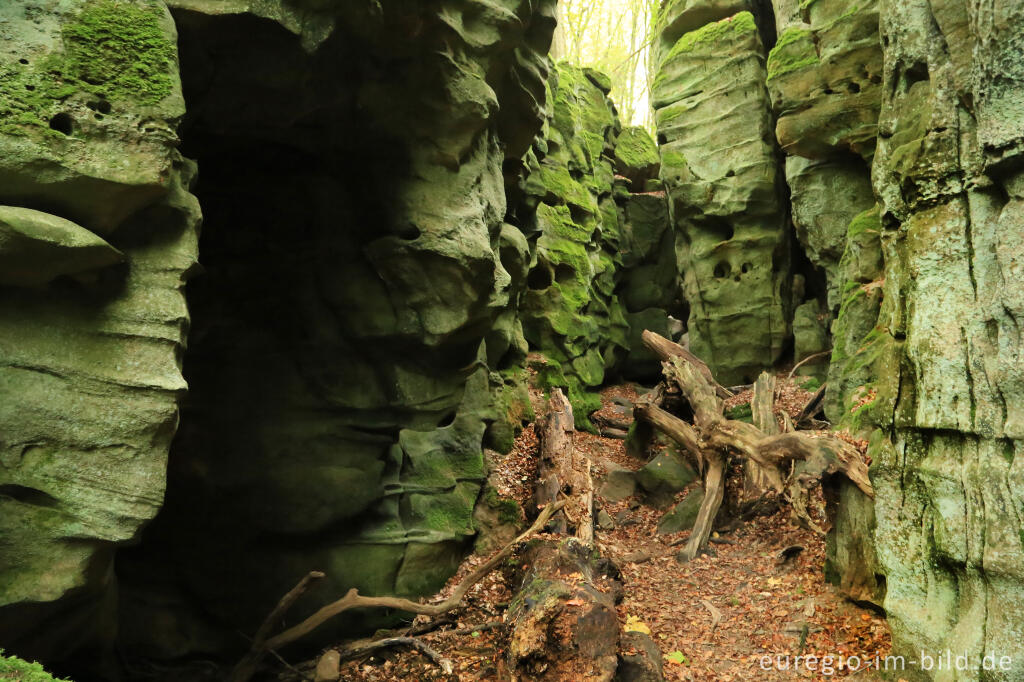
405	205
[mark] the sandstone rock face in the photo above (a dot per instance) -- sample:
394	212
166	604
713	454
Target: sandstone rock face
719	166
923	296
902	129
949	377
569	311
358	278
604	262
357	268
97	236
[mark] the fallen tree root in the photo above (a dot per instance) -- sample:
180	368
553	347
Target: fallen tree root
418	644
712	439
249	663
246	668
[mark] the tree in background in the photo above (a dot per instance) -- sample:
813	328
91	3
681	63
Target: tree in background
613	36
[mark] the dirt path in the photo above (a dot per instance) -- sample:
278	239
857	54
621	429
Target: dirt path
716	618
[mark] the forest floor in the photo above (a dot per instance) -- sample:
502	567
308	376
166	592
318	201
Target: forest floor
715	618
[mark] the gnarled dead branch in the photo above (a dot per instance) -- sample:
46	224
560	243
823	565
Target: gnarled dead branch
352	599
712	438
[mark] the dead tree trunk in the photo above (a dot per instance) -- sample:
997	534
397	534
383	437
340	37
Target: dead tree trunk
756	481
564	624
712	439
563	620
564	471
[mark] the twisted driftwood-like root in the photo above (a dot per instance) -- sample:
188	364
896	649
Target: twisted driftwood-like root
768	450
247	667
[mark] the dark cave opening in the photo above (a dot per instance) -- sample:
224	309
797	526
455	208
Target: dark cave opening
281	444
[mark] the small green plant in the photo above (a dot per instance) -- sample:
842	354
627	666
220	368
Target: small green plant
812	384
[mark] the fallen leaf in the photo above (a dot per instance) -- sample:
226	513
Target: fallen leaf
676	657
634	624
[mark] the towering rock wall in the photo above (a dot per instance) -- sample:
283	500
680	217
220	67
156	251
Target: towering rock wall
357	273
97	237
902	129
603	259
357	267
720	169
947	173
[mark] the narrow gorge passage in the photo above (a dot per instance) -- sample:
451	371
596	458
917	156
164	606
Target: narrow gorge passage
511	340
716	618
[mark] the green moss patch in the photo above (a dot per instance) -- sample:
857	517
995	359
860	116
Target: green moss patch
113	50
635	148
794	50
728	29
869	220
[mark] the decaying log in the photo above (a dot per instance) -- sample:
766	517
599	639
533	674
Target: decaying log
563	620
762	405
713	438
247	667
676	429
564	471
714	493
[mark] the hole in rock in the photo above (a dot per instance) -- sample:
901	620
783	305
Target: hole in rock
853	88
718	229
578	215
409	233
722	269
23	61
564	273
447	420
27	495
662	139
100	105
30	87
745	268
539	279
731	173
63	123
915	74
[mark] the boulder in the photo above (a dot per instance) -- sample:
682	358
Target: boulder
664	476
619	483
683	514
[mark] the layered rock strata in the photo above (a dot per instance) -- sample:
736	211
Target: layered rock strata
98	233
720	169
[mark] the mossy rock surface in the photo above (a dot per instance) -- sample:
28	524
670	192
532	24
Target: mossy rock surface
683	515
